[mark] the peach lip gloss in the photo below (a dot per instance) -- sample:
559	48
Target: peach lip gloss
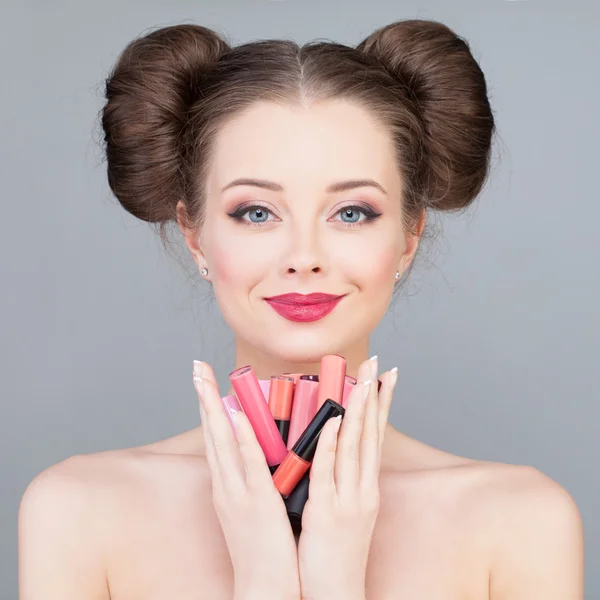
281	394
299	458
255	407
331	379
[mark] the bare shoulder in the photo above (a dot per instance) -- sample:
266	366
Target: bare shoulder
106	479
71	513
526	525
534	530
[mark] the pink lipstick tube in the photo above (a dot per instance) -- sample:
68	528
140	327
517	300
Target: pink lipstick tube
304	407
331	379
255	407
349	383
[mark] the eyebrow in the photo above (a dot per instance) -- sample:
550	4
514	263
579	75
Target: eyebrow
338	186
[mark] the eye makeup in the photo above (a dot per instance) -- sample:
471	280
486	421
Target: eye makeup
240	212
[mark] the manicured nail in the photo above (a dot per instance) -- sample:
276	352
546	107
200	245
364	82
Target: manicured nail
198	368
338	422
366	389
394	374
199	384
373	361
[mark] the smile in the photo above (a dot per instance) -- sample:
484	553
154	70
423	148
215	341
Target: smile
303	307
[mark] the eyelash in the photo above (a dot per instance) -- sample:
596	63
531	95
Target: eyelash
239	213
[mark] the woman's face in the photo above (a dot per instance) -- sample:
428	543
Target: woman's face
298	234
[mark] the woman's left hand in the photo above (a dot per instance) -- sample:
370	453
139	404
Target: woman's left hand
340	514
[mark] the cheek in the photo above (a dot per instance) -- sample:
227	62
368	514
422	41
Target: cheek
231	263
371	263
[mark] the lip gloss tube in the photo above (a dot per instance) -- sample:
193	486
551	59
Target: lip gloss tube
295	376
349	383
304	406
299	458
331	378
280	403
253	403
265	386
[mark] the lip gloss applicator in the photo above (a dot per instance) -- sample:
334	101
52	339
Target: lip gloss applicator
255	407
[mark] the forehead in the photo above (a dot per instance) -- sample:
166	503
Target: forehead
319	143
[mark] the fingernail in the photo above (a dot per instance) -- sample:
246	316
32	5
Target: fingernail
366	389
373	361
338	422
199	384
394	374
198	368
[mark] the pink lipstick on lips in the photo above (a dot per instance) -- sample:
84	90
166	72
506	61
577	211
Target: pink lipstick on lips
303	308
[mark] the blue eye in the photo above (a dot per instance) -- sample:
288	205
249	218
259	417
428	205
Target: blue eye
256	214
351	215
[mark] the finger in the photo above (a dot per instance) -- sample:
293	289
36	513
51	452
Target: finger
385	402
322	472
209	449
225	446
347	468
256	470
369	441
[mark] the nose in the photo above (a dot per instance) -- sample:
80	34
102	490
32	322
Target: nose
304	254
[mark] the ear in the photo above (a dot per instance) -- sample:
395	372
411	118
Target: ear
412	244
190	235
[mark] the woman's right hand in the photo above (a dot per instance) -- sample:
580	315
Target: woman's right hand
250	509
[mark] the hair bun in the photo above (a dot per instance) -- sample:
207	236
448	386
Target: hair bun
450	94
148	93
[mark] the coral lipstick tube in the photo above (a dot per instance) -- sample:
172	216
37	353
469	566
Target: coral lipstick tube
331	379
304	407
281	394
299	458
255	407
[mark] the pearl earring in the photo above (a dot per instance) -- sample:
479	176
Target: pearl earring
204	271
397	275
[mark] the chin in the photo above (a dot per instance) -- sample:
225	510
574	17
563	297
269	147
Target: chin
302	347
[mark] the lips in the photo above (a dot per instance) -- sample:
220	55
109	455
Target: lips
304	307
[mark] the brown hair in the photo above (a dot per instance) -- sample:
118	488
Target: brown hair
173	89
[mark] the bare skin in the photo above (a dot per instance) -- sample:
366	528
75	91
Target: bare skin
139	524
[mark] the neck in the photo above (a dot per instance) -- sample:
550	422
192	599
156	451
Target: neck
265	365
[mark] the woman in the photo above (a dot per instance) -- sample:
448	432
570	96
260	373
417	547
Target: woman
298	170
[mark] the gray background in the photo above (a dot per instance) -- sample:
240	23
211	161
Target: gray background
496	335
